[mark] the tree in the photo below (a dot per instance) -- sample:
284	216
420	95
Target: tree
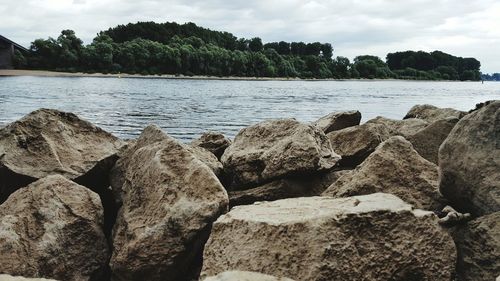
255	44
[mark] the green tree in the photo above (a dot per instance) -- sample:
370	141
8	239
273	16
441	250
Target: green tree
255	44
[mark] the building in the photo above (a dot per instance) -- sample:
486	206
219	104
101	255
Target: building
7	49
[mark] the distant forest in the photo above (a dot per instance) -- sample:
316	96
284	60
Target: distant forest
187	49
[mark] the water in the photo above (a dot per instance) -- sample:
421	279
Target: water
187	108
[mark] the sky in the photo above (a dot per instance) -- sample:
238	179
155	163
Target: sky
354	27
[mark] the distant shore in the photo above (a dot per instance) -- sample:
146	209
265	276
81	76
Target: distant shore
46	73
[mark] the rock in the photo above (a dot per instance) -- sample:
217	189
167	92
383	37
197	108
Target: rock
338	120
275	149
150	135
214	142
170	198
428	140
312	185
469	162
432	113
449	216
354	144
371	237
478	246
5	277
403	128
47	142
245	276
395	168
208	158
53	228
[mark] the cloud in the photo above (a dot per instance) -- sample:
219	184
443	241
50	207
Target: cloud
464	28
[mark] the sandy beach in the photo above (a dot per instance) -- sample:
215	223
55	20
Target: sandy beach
43	73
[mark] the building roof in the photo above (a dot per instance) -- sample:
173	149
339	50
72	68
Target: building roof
2	38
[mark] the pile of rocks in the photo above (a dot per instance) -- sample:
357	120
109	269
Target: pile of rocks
411	199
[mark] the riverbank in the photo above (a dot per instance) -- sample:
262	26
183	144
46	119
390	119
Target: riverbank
45	73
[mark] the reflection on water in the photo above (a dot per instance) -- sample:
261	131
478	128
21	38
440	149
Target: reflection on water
187	108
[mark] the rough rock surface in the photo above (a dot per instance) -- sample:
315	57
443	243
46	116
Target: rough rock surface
428	140
478	246
214	142
150	135
275	149
432	113
53	228
244	276
469	161
208	158
47	142
5	277
354	144
170	198
338	120
371	237
301	186
396	168
405	128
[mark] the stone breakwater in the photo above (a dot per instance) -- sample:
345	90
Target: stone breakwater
411	199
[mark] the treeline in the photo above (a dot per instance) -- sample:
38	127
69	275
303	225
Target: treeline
435	64
187	49
491	77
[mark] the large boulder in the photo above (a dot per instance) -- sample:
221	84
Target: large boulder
396	168
53	228
214	142
152	134
428	140
469	162
371	237
244	276
170	198
405	128
338	120
47	142
290	187
478	246
432	113
354	144
275	149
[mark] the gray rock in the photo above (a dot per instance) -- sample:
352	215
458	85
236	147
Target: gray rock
300	186
53	228
403	128
478	246
275	149
338	120
47	142
432	113
396	168
170	198
469	162
371	237
208	158
214	142
428	140
245	276
356	143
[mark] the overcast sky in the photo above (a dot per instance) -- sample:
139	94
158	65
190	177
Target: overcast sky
460	27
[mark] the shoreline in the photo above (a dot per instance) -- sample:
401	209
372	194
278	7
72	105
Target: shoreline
46	73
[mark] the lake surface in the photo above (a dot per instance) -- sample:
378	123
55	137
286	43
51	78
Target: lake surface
187	108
